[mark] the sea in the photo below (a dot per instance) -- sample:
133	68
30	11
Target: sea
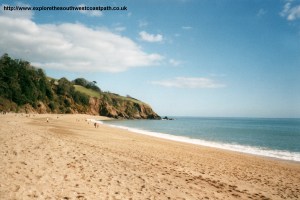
270	137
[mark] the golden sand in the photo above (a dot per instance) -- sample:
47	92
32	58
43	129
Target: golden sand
68	158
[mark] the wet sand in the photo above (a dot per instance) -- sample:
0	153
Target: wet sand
68	158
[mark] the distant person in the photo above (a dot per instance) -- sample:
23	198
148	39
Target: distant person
96	125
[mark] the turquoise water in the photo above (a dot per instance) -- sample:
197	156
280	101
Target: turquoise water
279	138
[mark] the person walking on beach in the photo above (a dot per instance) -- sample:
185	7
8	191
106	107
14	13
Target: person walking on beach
96	125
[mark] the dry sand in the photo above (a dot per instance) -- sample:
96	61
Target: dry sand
67	158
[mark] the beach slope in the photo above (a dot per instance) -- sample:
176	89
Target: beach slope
68	158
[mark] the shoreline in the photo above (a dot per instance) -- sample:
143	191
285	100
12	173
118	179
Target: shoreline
249	150
68	158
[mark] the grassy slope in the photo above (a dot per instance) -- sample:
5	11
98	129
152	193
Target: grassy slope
93	93
125	98
87	91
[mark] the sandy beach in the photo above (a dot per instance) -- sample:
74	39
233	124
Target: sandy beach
68	158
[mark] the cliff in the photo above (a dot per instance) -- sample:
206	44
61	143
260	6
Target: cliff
116	107
24	88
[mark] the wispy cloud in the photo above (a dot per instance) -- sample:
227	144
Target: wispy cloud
174	62
91	13
150	37
120	28
290	10
217	75
189	82
143	23
261	12
71	46
186	27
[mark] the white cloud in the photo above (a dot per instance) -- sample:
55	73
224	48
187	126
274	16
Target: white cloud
91	13
290	12
189	82
73	47
150	37
294	13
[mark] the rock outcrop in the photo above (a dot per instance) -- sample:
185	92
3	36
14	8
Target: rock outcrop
121	109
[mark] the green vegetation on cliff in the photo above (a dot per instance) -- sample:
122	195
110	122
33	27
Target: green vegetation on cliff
21	83
87	91
24	88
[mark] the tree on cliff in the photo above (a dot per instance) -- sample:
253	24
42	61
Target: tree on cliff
21	83
87	84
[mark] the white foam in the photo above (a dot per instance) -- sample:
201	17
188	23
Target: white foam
285	155
95	121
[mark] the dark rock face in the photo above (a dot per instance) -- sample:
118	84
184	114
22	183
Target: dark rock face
167	118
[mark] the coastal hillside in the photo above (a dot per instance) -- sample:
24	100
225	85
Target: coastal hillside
24	88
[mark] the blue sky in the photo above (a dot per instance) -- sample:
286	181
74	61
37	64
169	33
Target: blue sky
184	57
